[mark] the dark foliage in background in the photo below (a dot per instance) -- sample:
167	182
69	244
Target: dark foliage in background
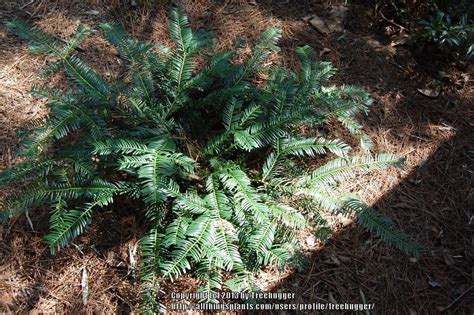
439	29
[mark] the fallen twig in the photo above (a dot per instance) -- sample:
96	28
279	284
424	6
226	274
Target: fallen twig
84	286
26	4
393	22
459	298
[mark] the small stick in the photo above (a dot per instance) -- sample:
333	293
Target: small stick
458	298
26	4
30	223
393	22
84	286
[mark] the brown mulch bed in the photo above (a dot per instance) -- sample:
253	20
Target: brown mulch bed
432	199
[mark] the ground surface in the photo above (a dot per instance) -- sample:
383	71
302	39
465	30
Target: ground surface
432	199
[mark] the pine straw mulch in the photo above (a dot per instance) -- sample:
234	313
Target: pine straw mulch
431	199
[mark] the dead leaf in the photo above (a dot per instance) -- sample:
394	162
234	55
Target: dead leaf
307	18
334	26
465	77
374	43
432	93
338	11
399	40
433	283
344	220
319	24
132	252
93	12
390	30
448	258
331	24
115	260
324	51
311	240
335	260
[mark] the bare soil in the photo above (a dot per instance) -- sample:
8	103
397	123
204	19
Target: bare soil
432	199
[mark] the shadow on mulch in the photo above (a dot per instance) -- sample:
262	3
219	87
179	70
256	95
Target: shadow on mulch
432	202
434	205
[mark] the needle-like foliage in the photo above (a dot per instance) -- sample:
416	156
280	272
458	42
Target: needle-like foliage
206	154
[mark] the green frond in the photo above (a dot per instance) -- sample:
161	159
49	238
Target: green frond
207	273
217	200
313	146
383	227
150	247
39	41
28	198
272	165
306	55
322	72
151	258
262	238
266	44
226	238
64	122
86	78
351	124
260	134
66	226
287	216
366	143
244	140
128	48
179	27
322	197
154	164
83	117
199	234
175	233
269	39
278	256
228	113
25	170
37	194
217	144
242	281
250	114
83	168
219	66
340	169
189	43
124	146
81	33
191	202
238	183
143	85
181	70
